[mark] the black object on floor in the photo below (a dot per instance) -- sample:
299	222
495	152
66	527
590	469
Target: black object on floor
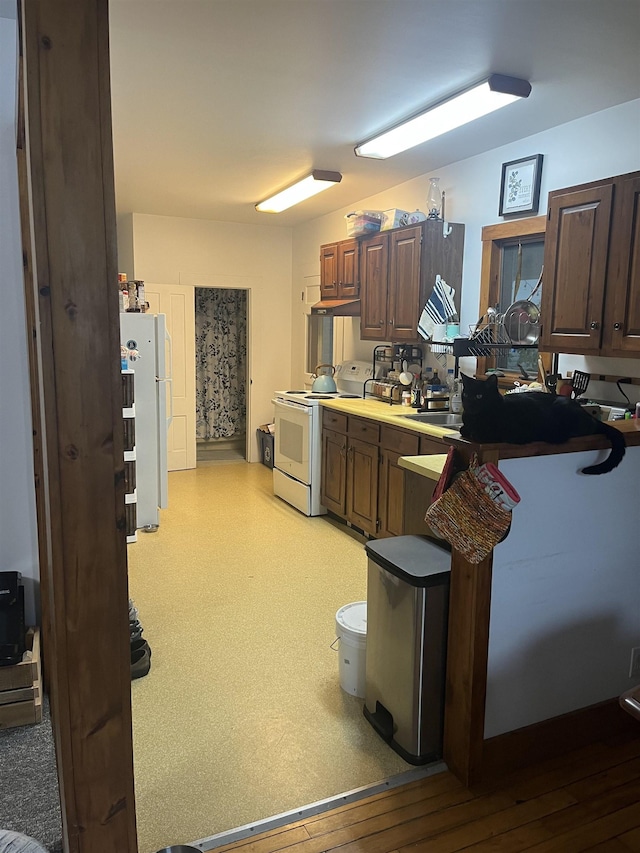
140	663
136	645
29	796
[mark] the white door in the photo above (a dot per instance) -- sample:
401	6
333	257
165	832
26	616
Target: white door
177	302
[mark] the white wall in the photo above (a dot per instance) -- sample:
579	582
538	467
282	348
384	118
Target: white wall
565	599
225	254
18	533
598	146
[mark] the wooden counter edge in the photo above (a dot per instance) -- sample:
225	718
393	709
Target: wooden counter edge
630	429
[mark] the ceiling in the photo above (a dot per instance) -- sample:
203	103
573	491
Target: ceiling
219	103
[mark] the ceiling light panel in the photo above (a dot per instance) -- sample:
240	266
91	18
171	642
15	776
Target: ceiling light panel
496	92
314	183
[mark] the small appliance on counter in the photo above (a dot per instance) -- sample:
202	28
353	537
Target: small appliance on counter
12	628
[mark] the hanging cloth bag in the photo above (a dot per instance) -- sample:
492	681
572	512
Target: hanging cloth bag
474	513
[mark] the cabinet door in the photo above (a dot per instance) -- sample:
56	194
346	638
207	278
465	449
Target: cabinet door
391	495
348	269
374	278
333	492
621	334
362	485
403	305
329	271
575	265
441	256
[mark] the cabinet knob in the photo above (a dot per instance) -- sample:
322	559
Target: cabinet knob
594	325
617	326
382	322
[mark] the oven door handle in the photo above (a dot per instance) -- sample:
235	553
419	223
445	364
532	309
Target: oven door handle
289	404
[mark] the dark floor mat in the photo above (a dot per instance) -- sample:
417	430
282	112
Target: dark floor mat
29	797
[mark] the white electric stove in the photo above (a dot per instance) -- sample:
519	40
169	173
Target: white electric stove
298	437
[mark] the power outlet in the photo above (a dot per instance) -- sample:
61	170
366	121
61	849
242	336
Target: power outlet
634	666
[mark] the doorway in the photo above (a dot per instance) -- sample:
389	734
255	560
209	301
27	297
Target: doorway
209	313
221	374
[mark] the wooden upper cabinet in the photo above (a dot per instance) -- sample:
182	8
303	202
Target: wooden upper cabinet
374	275
621	334
348	269
339	270
403	299
575	263
398	269
591	298
329	271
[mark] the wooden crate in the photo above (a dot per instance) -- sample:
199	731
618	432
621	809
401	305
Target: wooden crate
21	687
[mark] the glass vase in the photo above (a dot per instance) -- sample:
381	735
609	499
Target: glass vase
434	199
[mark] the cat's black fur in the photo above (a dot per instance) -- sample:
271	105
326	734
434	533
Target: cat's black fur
488	417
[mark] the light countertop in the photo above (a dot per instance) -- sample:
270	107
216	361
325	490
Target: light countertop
376	410
426	466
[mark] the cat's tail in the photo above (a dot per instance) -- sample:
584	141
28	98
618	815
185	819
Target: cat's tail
618	446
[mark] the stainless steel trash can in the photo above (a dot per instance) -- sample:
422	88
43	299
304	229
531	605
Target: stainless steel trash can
407	620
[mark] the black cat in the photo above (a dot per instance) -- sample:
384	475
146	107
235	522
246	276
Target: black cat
488	417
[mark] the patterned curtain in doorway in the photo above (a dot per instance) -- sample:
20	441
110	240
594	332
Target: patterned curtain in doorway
221	362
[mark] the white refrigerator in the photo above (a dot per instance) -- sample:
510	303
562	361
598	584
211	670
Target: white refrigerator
147	333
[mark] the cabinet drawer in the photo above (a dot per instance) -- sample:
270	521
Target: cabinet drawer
364	430
432	445
402	441
334	420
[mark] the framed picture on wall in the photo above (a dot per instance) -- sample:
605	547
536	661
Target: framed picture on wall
520	186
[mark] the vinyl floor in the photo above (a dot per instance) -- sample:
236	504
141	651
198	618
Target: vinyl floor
242	716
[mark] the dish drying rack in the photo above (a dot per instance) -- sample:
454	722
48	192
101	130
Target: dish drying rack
489	335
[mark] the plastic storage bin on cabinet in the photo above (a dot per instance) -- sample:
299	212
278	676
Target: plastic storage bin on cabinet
407	620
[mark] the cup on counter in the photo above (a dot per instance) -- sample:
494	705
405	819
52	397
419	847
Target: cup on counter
452	331
439	332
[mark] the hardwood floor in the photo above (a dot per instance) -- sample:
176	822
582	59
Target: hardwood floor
588	799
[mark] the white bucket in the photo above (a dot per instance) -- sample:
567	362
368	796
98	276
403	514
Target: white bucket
351	629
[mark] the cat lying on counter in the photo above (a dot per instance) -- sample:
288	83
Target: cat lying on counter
488	417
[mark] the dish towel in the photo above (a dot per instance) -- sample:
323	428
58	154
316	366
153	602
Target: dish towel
440	308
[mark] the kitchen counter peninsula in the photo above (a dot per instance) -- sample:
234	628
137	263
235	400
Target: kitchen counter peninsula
541	631
493	452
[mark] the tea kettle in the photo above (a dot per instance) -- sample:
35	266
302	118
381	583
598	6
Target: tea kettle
324	383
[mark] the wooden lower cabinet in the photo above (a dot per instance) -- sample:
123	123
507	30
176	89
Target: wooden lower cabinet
362	485
362	481
334	472
391	495
394	443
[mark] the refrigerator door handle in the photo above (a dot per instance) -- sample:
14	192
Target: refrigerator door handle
167	338
169	382
163	348
163	386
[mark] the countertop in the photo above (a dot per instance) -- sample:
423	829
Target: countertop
376	410
427	466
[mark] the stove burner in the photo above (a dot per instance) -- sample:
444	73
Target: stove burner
294	392
349	396
319	396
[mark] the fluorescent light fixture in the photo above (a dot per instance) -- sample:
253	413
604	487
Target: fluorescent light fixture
314	183
479	100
